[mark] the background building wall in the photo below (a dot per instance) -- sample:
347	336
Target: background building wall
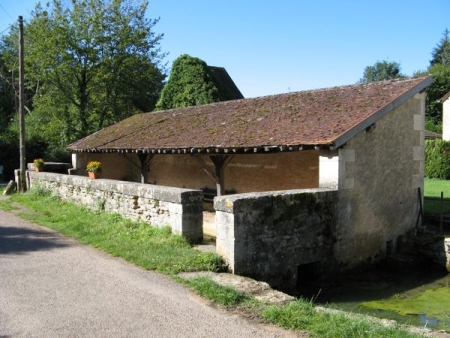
244	173
115	166
446	120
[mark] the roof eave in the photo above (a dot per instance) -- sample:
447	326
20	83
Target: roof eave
210	150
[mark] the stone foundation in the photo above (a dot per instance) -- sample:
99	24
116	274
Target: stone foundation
283	237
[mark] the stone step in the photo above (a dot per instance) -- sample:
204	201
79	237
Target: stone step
249	287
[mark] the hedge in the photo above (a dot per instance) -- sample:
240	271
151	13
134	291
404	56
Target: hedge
437	159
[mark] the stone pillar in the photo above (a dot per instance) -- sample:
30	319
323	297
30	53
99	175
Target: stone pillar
328	169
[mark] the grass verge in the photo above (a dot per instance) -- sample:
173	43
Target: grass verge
432	196
223	295
149	247
158	249
302	314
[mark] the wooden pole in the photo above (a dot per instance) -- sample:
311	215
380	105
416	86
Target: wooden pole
23	159
441	222
420	215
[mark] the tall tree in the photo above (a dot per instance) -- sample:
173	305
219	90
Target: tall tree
8	99
440	70
92	63
441	53
439	87
192	82
380	71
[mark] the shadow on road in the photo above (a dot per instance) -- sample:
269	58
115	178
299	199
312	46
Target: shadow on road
18	240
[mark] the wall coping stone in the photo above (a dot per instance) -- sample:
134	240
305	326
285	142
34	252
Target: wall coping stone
52	166
169	194
229	203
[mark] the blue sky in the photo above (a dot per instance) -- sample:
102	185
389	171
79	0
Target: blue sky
271	47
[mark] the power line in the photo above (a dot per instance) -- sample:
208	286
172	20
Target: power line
9	26
6	12
3	31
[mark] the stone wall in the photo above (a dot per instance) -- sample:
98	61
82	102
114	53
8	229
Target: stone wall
181	209
280	237
380	171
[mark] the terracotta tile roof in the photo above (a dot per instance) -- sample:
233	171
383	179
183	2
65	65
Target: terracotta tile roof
314	118
445	97
432	135
227	82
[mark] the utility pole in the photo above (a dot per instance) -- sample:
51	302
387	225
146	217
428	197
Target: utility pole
23	160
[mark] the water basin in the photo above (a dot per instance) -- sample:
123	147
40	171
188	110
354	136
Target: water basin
420	298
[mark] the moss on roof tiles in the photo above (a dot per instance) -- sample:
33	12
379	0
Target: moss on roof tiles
314	117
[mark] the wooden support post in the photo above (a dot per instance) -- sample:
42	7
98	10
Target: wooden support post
145	161
207	170
220	163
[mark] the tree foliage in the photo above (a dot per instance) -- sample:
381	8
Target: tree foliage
441	53
90	63
437	164
7	97
192	82
380	71
440	70
439	87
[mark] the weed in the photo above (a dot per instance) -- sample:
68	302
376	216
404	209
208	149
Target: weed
39	191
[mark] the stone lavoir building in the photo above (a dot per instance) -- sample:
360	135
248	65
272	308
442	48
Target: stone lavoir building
358	149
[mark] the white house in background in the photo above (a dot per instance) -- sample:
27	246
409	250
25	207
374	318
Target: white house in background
446	117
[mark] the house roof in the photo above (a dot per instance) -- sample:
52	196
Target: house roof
324	118
226	81
432	135
445	97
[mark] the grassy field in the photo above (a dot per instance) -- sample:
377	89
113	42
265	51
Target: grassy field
158	249
432	196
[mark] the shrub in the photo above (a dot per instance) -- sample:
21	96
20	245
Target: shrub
437	159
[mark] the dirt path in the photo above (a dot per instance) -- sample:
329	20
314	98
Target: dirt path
53	286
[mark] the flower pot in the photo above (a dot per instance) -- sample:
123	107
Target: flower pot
93	176
39	169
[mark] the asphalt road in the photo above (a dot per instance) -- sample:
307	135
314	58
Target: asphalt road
51	286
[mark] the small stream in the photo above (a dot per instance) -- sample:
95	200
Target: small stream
420	298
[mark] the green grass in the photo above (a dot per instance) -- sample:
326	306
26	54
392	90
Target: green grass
158	249
146	246
432	196
222	295
303	315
